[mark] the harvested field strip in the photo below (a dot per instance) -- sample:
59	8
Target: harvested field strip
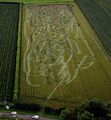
8	45
99	20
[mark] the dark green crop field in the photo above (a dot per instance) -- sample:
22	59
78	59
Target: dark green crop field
106	4
9	13
100	19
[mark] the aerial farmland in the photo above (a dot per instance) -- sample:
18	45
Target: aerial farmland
62	57
8	44
54	53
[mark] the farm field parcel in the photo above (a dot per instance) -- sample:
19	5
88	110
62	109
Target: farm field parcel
61	60
106	4
100	19
8	44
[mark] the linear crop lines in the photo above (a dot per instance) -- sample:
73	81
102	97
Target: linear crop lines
53	43
88	64
100	22
8	42
106	4
102	68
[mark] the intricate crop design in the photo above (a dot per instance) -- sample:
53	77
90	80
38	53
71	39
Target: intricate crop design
53	36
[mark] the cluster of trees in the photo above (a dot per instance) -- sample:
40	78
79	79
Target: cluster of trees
94	109
26	106
89	110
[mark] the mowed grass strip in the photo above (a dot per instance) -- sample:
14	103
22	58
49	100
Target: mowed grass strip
18	55
37	1
9	15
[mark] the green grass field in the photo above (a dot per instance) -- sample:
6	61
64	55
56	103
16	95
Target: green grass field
64	58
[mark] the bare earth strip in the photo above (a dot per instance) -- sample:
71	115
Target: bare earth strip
62	62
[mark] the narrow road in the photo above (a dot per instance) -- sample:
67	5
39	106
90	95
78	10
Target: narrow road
24	117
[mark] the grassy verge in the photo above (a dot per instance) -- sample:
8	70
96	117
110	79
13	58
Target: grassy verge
8	118
16	86
36	1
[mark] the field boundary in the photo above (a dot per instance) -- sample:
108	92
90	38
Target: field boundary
50	3
9	18
18	55
99	42
37	1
